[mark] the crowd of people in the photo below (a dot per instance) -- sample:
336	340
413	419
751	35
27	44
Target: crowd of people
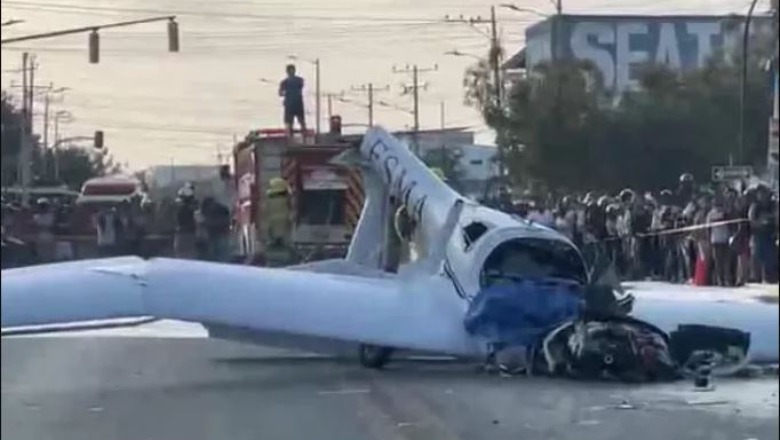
701	235
202	227
51	229
707	236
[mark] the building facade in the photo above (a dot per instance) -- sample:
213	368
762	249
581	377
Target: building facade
773	167
619	44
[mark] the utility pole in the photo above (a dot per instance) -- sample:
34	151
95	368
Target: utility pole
319	95
743	83
46	132
495	55
329	100
416	81
31	93
495	61
50	90
370	89
25	149
415	89
441	114
57	142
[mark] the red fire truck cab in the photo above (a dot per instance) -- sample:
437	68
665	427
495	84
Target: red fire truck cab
326	199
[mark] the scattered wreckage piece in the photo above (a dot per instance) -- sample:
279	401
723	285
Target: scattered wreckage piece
587	335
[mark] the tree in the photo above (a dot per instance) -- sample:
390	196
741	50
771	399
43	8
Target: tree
11	129
565	130
77	165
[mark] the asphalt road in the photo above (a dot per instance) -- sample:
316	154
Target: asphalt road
140	388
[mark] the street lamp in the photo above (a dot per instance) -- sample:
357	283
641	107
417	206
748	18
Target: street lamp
457	53
64	116
522	10
11	22
316	63
557	4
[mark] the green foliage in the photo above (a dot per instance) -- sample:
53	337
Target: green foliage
10	126
563	129
76	165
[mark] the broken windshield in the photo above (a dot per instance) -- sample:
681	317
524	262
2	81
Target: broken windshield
533	258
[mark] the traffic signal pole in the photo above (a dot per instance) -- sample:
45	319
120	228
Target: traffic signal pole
83	29
94	37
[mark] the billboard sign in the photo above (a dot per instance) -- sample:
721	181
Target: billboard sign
618	45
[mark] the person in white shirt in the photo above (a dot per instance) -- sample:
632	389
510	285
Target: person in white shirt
44	220
542	215
719	239
105	225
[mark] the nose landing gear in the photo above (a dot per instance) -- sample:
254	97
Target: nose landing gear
374	356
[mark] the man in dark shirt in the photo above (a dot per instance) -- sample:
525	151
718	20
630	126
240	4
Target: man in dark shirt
291	89
184	239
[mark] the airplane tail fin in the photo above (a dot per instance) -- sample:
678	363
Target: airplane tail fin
392	172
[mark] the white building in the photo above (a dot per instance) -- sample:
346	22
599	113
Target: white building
164	181
477	165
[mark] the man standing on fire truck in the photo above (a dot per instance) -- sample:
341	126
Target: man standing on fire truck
291	90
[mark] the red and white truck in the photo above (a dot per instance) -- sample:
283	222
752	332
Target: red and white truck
326	199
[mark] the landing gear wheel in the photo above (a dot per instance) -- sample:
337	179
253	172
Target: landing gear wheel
374	356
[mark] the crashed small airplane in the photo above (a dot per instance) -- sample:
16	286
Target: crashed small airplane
421	257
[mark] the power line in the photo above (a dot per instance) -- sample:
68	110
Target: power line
369	89
414	88
216	14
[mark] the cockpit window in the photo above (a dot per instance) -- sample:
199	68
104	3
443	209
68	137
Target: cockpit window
472	232
533	258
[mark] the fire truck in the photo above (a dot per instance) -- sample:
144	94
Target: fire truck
326	199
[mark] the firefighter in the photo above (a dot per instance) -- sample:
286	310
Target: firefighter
440	174
184	242
278	221
405	229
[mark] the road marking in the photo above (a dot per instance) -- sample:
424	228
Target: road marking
353	391
157	329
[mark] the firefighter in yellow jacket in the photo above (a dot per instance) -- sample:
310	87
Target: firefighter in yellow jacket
278	222
439	173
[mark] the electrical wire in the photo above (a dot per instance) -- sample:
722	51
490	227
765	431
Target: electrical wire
217	14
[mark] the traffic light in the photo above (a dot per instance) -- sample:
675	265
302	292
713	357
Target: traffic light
224	172
99	140
173	36
335	125
94	47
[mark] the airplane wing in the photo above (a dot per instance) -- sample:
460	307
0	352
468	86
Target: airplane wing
668	307
340	307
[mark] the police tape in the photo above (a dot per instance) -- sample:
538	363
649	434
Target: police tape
88	238
694	227
676	231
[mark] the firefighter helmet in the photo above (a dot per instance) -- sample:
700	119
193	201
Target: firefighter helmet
277	185
686	178
439	173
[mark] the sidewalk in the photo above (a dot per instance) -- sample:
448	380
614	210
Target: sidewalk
770	292
687	292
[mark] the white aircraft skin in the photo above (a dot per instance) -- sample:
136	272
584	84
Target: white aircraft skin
336	305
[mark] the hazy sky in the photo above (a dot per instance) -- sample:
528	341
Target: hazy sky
158	108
